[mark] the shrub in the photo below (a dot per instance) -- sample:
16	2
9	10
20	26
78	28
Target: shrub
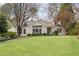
34	34
52	34
29	34
2	39
9	35
74	30
56	33
44	34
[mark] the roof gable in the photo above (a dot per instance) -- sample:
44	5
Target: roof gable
39	22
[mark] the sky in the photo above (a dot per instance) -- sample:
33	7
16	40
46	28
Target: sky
43	10
77	5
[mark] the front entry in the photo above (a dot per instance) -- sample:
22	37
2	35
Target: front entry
49	30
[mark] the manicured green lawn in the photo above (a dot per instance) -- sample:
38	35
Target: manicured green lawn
41	46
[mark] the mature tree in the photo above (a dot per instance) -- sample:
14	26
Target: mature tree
74	29
53	9
65	17
3	23
76	9
6	8
21	12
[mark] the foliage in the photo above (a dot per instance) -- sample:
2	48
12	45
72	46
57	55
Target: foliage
21	12
74	29
53	8
66	6
55	33
2	39
3	23
44	34
12	35
34	34
8	36
65	16
6	9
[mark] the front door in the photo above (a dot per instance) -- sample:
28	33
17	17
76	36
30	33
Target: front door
49	30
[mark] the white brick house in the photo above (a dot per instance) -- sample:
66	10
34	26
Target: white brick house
39	27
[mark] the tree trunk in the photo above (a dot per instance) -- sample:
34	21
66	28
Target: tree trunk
63	31
19	31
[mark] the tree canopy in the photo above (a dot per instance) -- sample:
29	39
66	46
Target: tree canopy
65	16
3	23
19	13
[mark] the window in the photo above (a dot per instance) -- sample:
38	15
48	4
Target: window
37	29
24	31
59	30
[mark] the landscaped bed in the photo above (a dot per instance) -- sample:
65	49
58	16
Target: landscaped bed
41	46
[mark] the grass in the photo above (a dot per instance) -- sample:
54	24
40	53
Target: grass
41	46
